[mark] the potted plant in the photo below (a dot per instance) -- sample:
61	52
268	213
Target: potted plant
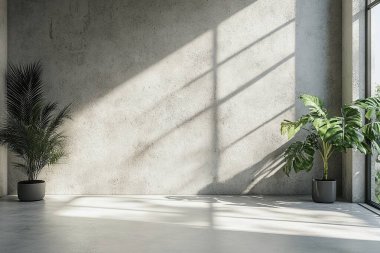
328	134
32	131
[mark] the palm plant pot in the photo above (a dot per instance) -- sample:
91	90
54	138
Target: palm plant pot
31	190
324	191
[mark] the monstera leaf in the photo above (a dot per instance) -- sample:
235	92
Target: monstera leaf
352	136
371	132
317	116
300	155
322	126
371	106
331	134
315	106
292	127
342	132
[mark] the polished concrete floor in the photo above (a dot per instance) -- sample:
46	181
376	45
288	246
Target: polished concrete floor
185	224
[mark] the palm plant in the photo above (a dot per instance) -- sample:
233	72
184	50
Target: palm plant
32	127
328	134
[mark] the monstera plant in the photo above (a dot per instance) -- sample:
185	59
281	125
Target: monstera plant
32	130
327	134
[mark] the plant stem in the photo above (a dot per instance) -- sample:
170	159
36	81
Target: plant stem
326	153
325	169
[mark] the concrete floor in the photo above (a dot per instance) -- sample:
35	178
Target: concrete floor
185	224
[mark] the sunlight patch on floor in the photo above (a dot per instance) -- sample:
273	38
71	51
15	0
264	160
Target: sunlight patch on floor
246	214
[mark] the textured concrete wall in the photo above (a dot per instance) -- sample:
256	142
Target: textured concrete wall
3	67
179	97
353	87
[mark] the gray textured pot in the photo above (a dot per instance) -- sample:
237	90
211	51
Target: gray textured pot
31	190
324	191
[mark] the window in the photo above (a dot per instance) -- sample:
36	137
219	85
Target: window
373	89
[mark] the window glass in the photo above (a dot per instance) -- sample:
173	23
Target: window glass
374	78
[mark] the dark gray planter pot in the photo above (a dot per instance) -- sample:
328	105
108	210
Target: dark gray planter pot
31	190
324	191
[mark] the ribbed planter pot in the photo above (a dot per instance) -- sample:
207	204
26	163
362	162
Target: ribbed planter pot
324	191
31	190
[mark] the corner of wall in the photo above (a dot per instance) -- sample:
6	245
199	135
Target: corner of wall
353	87
3	66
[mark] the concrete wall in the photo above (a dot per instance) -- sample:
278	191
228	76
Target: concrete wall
179	97
3	67
353	87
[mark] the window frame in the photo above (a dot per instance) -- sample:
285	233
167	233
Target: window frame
369	5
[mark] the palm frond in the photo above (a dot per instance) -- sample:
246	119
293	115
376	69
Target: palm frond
59	118
31	130
46	114
24	90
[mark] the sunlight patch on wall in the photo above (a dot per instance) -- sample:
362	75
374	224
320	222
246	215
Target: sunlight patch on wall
202	115
256	84
128	146
252	24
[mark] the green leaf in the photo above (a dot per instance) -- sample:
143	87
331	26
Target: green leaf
315	105
371	105
371	132
352	116
299	156
31	130
292	127
342	132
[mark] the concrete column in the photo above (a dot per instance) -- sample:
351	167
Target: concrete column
3	66
353	87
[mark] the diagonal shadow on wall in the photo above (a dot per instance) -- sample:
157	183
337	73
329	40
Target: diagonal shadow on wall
95	49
